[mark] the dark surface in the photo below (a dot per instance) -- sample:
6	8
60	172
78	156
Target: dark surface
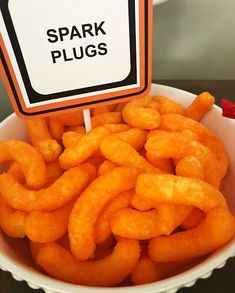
222	280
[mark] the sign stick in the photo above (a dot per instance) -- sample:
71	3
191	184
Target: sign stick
87	120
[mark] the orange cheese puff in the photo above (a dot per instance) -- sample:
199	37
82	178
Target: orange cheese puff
41	139
163	164
176	145
163	144
78	129
193	220
106	118
70	137
176	190
12	222
56	129
57	123
119	107
16	171
190	166
101	110
140	203
109	271
174	122
54	171
96	160
134	137
171	216
105	167
34	248
114	128
167	106
134	224
200	106
37	130
146	271
188	244
62	191
90	204
83	149
137	115
45	227
190	134
50	150
122	154
74	118
28	158
103	222
90	169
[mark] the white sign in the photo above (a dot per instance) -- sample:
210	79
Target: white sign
60	54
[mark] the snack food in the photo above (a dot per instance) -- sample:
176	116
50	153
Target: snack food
154	186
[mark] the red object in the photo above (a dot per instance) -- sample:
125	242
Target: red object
228	108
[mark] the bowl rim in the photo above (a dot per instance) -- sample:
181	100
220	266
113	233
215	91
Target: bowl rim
187	278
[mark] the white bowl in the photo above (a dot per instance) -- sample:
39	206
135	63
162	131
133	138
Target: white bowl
14	255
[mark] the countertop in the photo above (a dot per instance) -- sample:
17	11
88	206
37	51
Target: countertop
222	280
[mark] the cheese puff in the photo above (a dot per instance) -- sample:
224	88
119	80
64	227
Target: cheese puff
56	129
70	138
50	149
101	110
41	139
83	149
109	271
103	222
137	115
176	145
90	204
114	128
45	227
134	224
190	166
16	171
96	161
200	106
174	122
77	129
119	107
105	167
163	164
106	118
90	169
140	203
171	216
194	219
134	137
74	118
34	248
166	105
176	190
57	123
62	191
28	158
54	171
188	244
147	271
122	154
190	134
12	222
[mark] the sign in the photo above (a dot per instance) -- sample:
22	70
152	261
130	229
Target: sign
64	54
